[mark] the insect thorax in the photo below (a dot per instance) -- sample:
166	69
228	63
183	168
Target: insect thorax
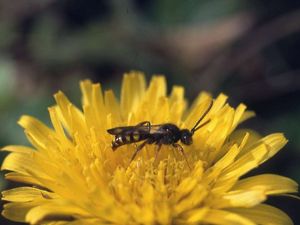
171	133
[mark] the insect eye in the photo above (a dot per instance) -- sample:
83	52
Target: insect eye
186	137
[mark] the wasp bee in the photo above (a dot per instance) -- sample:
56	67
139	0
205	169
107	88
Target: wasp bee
160	134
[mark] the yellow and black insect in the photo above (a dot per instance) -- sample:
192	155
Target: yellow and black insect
160	134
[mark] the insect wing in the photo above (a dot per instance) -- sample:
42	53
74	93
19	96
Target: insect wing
155	129
119	130
143	127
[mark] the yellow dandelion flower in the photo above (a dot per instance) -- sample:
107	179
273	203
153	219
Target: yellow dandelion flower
72	176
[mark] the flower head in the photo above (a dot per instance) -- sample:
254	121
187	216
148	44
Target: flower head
72	176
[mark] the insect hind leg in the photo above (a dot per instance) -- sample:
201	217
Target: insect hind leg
139	148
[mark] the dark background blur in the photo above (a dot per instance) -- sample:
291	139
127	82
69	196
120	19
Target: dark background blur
249	50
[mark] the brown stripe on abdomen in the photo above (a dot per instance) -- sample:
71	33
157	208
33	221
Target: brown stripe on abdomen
127	139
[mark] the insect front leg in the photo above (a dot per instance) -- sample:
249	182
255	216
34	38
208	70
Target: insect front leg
179	147
156	153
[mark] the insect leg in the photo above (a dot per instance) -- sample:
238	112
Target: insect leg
139	148
156	153
179	147
173	151
144	123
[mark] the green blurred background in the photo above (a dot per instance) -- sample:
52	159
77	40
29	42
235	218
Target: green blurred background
249	50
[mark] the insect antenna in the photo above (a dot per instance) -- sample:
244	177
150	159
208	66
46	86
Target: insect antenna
201	118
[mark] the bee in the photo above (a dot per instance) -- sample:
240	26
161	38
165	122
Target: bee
160	134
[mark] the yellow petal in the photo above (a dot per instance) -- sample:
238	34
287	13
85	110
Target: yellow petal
245	198
196	113
221	217
247	115
191	200
203	96
22	178
112	106
18	211
18	149
86	89
264	214
238	136
177	94
18	162
238	114
274	143
58	125
156	90
55	210
98	102
40	133
213	172
72	117
26	194
270	183
195	216
219	103
177	104
132	91
247	162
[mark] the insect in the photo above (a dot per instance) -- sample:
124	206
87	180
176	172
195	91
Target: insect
160	134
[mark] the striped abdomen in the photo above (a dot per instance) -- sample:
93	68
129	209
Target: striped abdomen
128	138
